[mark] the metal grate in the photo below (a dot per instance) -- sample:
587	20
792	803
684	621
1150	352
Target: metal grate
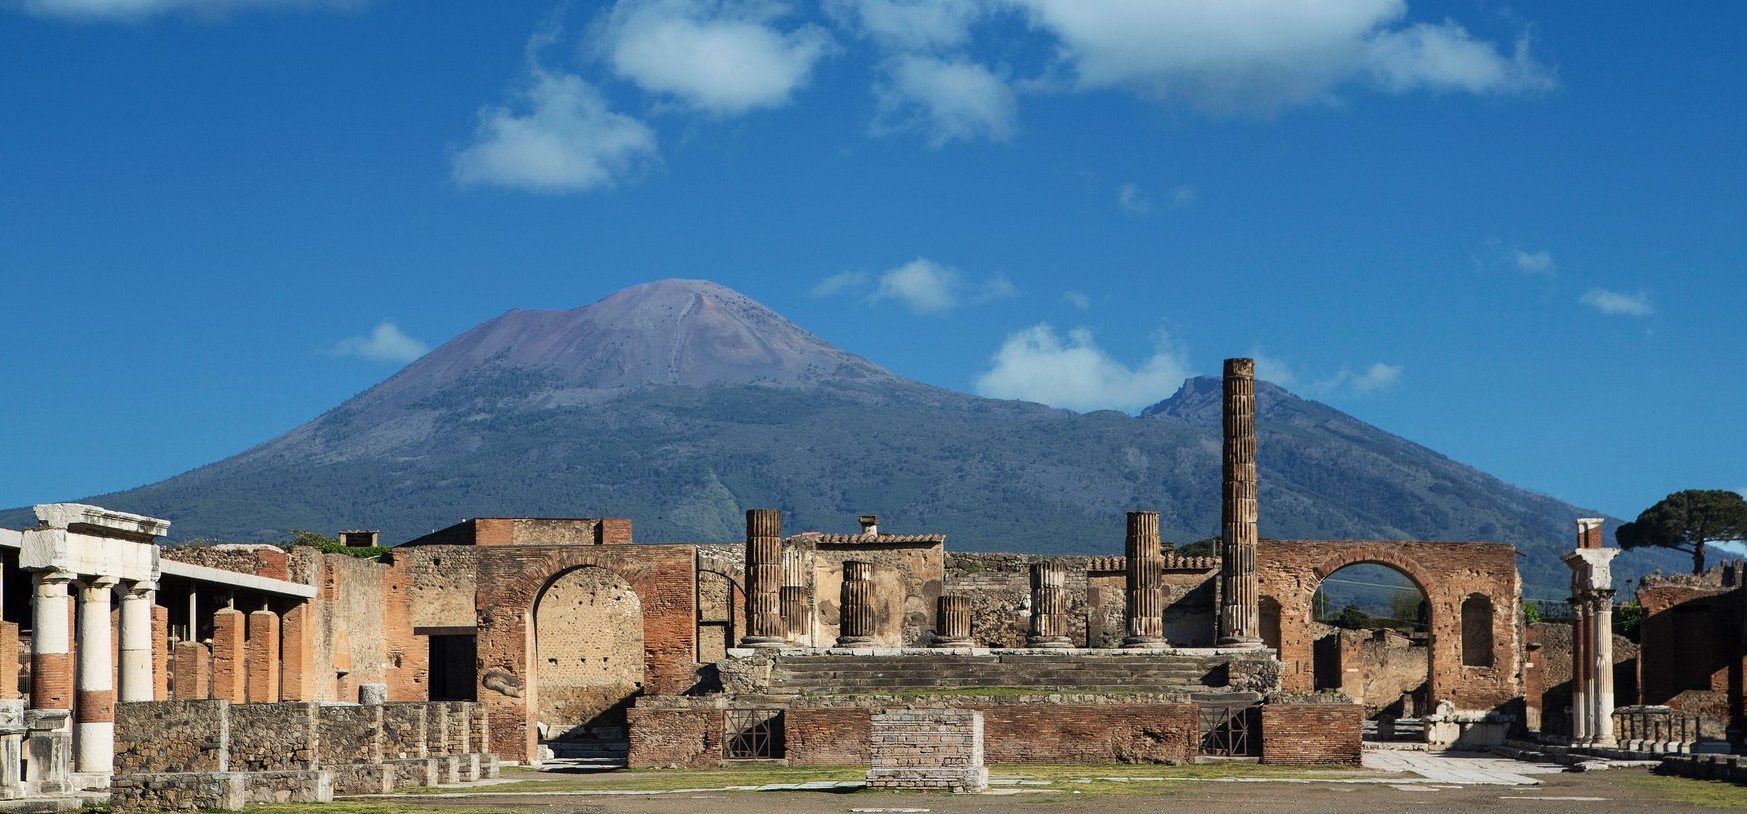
752	734
1225	731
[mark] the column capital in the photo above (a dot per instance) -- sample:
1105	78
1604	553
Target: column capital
138	589
53	576
99	581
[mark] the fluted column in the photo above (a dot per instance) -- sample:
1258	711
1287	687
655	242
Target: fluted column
794	595
855	627
1049	606
1579	671
952	621
94	711
764	578
1239	615
1145	612
51	661
1602	667
136	676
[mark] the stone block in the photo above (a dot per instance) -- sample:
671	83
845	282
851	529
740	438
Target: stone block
178	791
288	787
372	694
362	778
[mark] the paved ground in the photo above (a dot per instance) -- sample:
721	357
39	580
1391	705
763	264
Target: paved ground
1398	779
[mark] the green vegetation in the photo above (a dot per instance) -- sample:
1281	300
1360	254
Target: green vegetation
1629	619
1685	521
1532	612
330	545
1706	793
756	774
349	807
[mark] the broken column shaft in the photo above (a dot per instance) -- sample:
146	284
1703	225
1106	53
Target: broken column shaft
855	626
952	622
1145	613
1239	617
1049	606
764	578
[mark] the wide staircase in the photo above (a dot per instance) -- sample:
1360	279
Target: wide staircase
1199	678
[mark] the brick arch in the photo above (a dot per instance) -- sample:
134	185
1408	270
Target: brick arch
1290	571
510	583
568	690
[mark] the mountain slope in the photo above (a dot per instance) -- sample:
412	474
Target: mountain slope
681	403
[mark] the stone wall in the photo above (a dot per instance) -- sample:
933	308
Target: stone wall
1692	641
908	577
273	737
405	733
441	582
1552	667
1309	734
171	736
927	749
999	586
675	732
194	791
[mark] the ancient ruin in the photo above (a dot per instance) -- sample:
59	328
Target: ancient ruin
239	669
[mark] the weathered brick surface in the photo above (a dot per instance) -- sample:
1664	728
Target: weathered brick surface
171	736
1104	733
1692	643
675	736
1447	573
258	559
8	660
827	737
510	580
263	647
193	672
297	679
1304	734
926	749
273	737
160	653
229	677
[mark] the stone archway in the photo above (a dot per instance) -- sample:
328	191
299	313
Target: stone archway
1369	625
1447	574
588	653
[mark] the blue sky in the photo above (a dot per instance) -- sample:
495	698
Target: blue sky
1512	233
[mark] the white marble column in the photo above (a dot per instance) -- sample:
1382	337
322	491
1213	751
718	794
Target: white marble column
1580	672
1601	619
136	642
94	714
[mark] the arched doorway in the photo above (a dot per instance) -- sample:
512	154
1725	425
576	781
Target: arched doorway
1371	635
588	654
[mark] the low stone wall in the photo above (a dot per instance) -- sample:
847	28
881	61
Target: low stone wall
404	730
1732	768
177	791
1305	734
927	749
171	737
827	737
273	737
674	731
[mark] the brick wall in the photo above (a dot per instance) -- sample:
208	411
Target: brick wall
1691	643
681	736
927	749
1101	733
1305	734
827	737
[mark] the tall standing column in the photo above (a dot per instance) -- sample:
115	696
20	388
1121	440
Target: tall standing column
94	711
1579	672
1602	667
51	642
764	578
1145	613
952	621
1239	617
1049	606
855	626
136	642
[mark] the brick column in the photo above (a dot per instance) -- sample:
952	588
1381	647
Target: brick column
193	671
856	620
94	711
228	681
8	661
51	641
135	668
764	575
160	653
263	647
1239	592
1049	606
297	654
952	621
1145	612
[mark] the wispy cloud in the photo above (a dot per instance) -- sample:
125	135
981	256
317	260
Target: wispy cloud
128	10
1078	299
1540	262
384	344
951	99
559	134
1133	201
1367	380
716	56
1072	372
921	285
1615	303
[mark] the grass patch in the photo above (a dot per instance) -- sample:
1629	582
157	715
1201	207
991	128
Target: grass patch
1122	778
663	779
373	807
1706	793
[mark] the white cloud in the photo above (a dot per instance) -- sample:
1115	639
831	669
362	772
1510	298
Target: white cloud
721	57
840	282
384	344
1378	376
952	99
1182	195
121	10
1274	370
561	138
927	287
1133	201
1614	303
1540	262
909	25
1258	56
1072	372
1078	299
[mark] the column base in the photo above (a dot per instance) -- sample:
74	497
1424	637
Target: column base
1144	643
855	641
764	642
1239	641
1051	642
953	643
